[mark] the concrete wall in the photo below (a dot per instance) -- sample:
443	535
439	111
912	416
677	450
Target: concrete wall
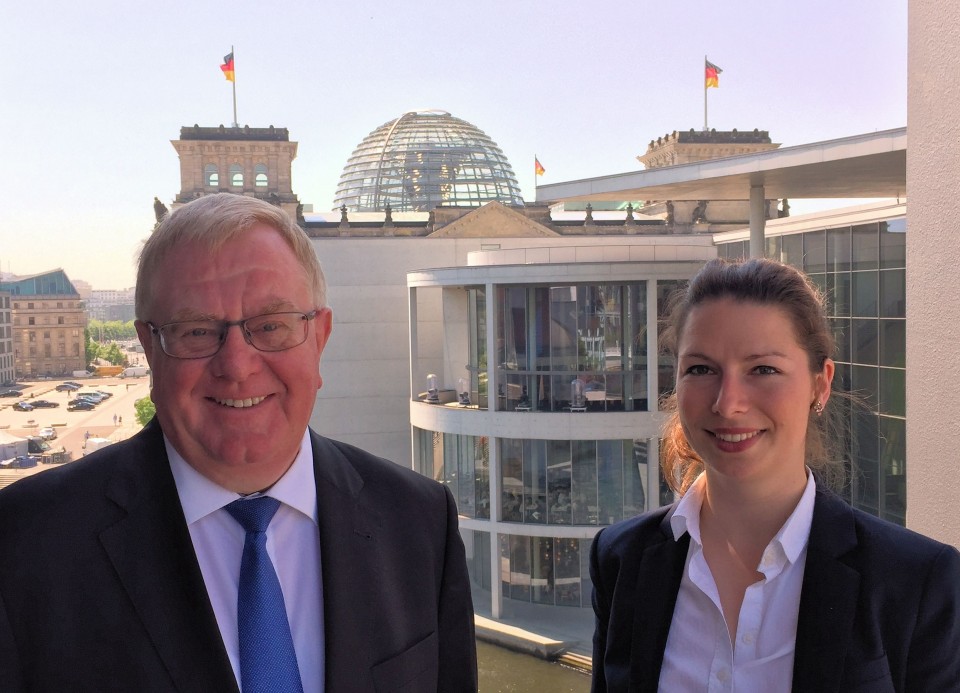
933	255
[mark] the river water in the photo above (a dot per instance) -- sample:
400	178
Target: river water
502	670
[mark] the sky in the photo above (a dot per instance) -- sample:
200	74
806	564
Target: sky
92	93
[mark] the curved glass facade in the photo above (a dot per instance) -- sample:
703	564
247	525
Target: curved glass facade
422	160
534	499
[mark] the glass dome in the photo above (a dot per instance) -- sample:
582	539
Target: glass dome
422	160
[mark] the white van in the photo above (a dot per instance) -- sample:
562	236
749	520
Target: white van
91	444
134	372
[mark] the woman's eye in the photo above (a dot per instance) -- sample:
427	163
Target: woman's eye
766	370
699	369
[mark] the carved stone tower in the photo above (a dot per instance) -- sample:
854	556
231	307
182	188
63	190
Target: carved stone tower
684	147
248	161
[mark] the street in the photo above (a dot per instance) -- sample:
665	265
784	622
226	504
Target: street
114	418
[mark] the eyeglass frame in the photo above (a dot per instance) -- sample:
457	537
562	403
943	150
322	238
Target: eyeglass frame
225	326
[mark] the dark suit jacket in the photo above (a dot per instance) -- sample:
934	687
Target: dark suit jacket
879	606
100	589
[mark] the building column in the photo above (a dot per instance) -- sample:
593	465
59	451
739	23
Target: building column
493	449
758	220
414	337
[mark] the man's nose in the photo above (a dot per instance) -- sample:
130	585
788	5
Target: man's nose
237	357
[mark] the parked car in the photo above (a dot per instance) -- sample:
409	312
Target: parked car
74	383
106	395
20	462
80	405
94	397
8	383
23	406
48	433
67	387
11	393
44	404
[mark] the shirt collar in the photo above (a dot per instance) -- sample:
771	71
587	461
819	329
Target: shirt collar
792	537
200	496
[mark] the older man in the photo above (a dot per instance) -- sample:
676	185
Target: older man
226	546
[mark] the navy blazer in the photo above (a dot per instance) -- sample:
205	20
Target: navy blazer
879	605
100	588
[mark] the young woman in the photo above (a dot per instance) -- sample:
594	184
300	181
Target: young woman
759	578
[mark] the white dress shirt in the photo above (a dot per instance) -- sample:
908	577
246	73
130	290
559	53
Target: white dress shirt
293	544
699	655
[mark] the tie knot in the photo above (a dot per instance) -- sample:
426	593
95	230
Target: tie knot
253	514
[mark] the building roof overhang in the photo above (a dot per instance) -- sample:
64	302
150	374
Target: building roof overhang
862	166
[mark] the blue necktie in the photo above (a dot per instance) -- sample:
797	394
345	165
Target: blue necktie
268	661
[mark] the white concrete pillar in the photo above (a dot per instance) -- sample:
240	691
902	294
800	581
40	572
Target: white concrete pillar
758	221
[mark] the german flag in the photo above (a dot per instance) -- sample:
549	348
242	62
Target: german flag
538	167
227	67
712	75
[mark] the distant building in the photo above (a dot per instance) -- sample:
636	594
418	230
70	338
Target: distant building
7	370
255	162
422	160
48	324
692	146
111	304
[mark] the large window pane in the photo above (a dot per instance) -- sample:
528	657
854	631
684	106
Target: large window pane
841	335
610	480
541	575
815	252
838	250
866	247
466	476
482	479
893	391
864	385
584	482
864	341
635	479
792	250
559	470
520	568
534	481
893	463
893	343
865	294
893	243
893	294
567	571
511	480
866	472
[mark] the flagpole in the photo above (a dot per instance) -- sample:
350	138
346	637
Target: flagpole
704	93
536	176
236	123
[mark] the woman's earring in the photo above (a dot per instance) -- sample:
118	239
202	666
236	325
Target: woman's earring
818	408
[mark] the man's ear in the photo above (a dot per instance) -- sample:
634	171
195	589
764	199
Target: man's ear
145	335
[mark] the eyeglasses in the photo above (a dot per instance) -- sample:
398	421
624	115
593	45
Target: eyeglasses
199	339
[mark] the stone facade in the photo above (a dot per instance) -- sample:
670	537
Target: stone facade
48	325
691	146
6	339
249	161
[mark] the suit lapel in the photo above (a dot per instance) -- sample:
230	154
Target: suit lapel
351	573
658	582
152	553
828	598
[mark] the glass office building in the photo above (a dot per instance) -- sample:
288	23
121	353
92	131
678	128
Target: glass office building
422	160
